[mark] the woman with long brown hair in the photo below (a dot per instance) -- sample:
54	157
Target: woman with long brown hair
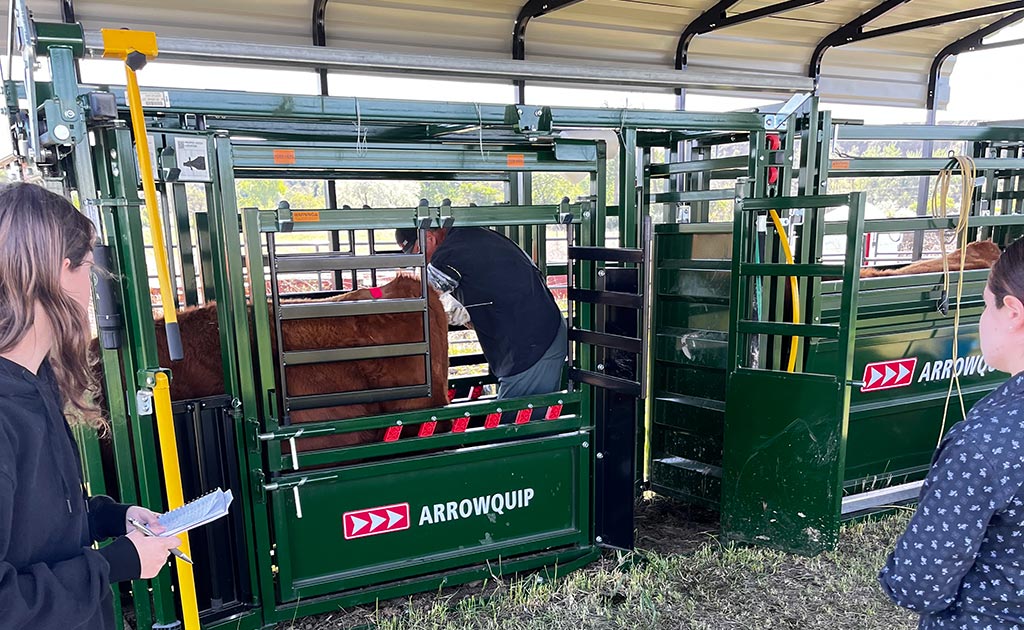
50	574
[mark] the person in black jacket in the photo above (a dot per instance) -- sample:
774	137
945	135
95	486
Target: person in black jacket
51	577
521	330
960	564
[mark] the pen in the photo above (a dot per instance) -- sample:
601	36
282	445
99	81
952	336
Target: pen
145	530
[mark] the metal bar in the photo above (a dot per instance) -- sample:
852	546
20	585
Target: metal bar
928	132
360	307
303	357
924	223
612	298
189	49
949	18
785	270
788	203
859	167
315	401
691	195
607	254
607	340
883	496
342	262
615	384
697	166
330	158
788	330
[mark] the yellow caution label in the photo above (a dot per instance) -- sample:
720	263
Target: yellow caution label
305	216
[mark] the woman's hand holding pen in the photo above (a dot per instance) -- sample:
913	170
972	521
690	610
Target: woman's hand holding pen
152	550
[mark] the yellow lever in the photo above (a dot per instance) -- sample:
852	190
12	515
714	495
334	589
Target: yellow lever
135	48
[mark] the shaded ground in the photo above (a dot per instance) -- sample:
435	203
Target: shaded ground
681	577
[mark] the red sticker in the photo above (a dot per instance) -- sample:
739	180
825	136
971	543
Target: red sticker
523	416
493	420
392	434
888	374
378	520
460	424
427	429
554	412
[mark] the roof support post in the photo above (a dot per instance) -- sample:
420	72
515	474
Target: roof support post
973	41
319	32
532	9
854	31
716	18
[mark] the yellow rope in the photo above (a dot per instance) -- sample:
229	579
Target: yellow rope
940	197
784	240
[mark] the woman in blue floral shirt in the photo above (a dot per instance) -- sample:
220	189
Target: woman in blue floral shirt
960	564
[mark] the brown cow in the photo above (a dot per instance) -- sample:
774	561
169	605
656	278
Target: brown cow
200	372
980	255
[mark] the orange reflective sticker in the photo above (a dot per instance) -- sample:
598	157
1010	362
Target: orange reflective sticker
284	156
305	216
516	160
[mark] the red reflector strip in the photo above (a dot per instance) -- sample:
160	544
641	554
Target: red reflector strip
376	293
476	392
523	416
460	424
451	394
554	412
392	434
493	420
427	428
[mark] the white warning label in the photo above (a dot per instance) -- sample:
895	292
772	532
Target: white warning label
190	154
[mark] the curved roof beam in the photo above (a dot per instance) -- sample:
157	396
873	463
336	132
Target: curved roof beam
532	9
967	43
319	32
854	31
716	18
67	11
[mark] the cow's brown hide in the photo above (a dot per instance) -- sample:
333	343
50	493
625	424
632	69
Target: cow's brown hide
980	255
200	374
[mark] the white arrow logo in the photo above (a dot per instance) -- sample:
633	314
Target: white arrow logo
875	375
377	520
358	524
903	372
393	518
889	374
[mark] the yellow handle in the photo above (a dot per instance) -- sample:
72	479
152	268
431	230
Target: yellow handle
784	239
152	208
175	496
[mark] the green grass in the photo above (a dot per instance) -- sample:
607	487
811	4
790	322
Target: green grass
681	577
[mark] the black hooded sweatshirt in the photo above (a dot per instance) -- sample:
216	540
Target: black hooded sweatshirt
50	576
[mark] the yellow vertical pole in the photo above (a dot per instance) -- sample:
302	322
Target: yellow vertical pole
175	496
135	48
